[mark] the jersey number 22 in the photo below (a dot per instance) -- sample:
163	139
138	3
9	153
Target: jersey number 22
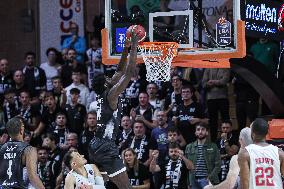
264	176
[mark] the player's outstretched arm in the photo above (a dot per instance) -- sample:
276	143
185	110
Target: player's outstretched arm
121	66
232	176
124	80
243	160
69	182
31	165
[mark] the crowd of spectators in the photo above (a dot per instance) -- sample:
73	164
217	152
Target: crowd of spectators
169	131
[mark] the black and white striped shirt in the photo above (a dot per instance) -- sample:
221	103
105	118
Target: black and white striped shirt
200	167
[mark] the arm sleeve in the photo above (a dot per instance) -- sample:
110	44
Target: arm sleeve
99	180
217	166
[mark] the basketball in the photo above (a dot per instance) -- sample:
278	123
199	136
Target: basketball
139	30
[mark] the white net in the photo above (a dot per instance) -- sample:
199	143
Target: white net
158	59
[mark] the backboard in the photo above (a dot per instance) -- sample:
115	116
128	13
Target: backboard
206	38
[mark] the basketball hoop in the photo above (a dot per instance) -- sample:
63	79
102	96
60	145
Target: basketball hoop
158	57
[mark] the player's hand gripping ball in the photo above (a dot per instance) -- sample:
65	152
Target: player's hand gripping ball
138	30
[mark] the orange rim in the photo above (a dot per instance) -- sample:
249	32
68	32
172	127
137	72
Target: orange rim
160	46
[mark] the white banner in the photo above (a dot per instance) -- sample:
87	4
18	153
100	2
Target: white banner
55	19
212	9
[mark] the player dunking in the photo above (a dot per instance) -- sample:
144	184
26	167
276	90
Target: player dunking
261	164
102	149
15	155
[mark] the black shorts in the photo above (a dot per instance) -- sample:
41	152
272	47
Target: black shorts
105	154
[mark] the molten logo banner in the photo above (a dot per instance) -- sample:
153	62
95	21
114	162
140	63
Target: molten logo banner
264	18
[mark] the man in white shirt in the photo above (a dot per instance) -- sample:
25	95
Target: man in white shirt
94	62
51	67
84	91
261	164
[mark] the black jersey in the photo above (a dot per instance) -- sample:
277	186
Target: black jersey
107	126
11	167
184	115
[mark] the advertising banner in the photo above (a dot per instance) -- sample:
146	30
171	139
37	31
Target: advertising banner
264	18
56	17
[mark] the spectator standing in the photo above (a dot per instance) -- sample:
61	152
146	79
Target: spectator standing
75	42
159	139
154	100
144	112
94	62
41	105
215	81
91	98
69	66
173	99
61	130
175	136
140	143
51	67
76	112
228	144
159	135
49	113
188	114
55	155
64	57
247	101
73	142
6	77
267	53
19	82
29	112
174	170
126	132
88	133
58	91
11	106
205	157
84	91
35	79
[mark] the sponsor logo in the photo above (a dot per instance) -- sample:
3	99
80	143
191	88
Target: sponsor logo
67	10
